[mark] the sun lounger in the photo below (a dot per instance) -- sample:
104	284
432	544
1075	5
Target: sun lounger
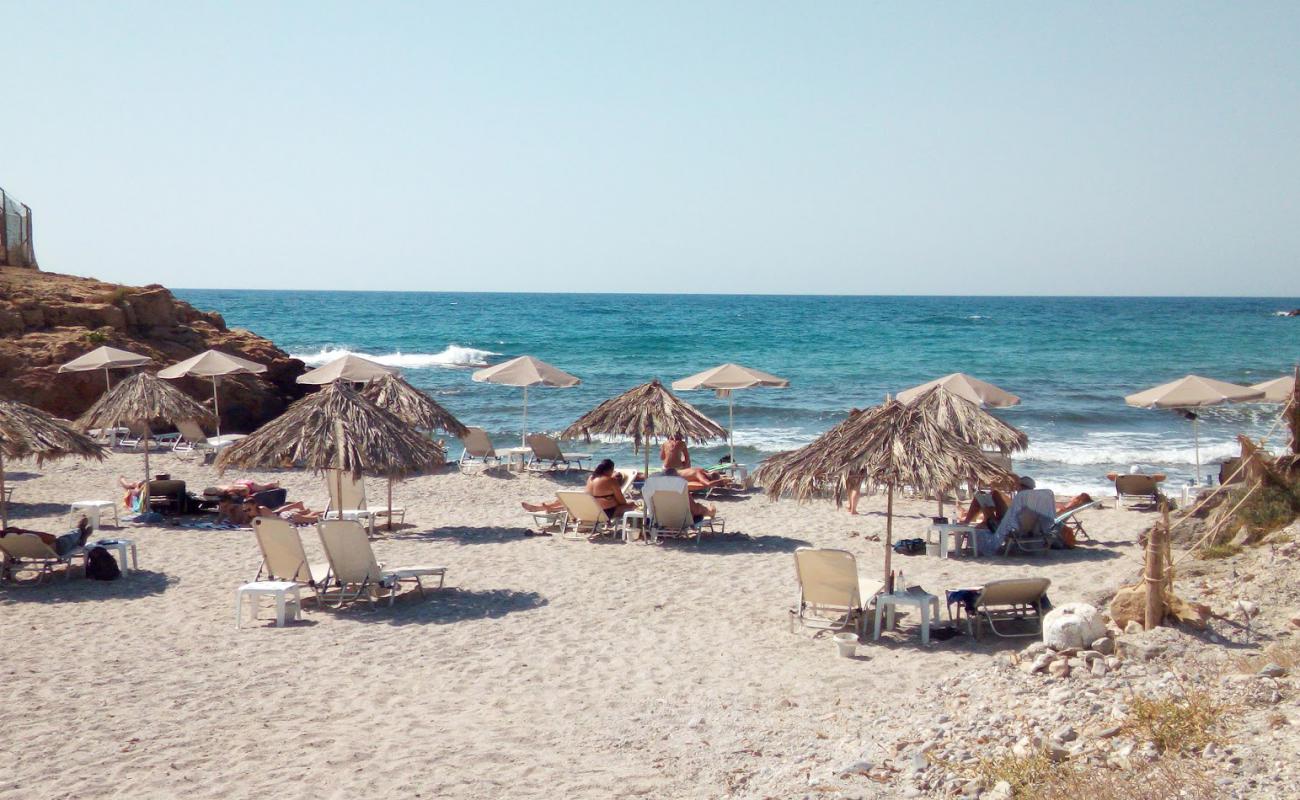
1024	526
832	594
353	571
283	556
478	447
669	514
348	500
1137	488
20	551
586	519
1067	519
547	455
1007	600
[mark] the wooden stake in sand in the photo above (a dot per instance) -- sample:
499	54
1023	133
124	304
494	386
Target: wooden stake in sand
1155	611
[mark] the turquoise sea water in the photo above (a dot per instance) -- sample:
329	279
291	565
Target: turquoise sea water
1071	360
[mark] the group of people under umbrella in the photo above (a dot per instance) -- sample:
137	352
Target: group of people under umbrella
929	438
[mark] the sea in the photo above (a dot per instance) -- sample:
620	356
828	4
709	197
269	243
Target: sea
1070	359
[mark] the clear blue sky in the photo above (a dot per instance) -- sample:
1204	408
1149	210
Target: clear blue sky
865	148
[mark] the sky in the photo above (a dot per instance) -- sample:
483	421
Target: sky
823	148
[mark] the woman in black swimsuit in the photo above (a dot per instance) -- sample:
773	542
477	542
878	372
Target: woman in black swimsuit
603	485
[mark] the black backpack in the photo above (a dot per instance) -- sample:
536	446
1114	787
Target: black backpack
101	566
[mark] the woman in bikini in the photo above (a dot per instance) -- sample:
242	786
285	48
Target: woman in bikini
604	485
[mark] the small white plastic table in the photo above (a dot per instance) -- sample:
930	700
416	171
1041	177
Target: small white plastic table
515	458
363	515
285	593
634	519
947	531
93	509
122	546
927	603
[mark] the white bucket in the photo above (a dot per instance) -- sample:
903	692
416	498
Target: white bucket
847	643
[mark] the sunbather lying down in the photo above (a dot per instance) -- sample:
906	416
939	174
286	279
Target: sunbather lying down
242	512
63	543
675	454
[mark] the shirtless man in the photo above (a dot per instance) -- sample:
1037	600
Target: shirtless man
675	455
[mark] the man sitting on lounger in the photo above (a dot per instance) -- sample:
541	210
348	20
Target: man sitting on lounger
670	481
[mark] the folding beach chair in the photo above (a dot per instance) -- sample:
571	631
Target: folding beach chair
1137	488
283	556
1007	600
547	455
348	500
354	573
669	514
586	519
27	551
478	447
832	595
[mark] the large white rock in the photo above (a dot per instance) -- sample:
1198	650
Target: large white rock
1073	625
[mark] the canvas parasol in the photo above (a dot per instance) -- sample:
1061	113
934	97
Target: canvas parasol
415	408
27	432
647	412
1278	390
525	371
212	364
352	368
105	358
1193	391
726	379
139	400
892	445
982	394
336	429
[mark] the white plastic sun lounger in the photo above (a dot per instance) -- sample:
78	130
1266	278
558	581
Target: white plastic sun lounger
832	594
354	573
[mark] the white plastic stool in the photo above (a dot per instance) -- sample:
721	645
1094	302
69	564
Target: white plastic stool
286	597
638	519
92	509
121	546
927	603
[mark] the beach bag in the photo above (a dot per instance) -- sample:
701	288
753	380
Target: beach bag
101	566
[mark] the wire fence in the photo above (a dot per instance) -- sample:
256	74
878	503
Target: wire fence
16	248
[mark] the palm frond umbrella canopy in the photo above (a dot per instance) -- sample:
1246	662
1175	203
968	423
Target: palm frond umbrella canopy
139	400
646	412
525	371
892	445
27	432
725	379
212	364
981	393
415	408
1193	391
351	368
336	428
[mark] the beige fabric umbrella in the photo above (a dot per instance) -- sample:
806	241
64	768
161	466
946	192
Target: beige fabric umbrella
105	358
891	445
525	371
1193	391
644	413
982	394
139	400
212	364
1278	390
26	432
352	368
726	379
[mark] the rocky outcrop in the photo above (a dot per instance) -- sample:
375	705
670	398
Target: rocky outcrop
48	319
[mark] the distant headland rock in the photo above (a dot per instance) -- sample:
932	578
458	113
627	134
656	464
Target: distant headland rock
47	319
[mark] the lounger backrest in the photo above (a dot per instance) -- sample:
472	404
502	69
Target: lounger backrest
26	545
191	431
671	509
582	507
348	551
1142	485
347	493
1013	591
827	578
282	549
1230	471
478	444
544	447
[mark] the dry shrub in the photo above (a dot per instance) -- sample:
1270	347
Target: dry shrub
1286	656
1225	550
1178	724
1269	509
1037	777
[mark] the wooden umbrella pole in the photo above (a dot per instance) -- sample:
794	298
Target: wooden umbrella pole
889	534
144	491
390	503
1155	608
4	504
216	406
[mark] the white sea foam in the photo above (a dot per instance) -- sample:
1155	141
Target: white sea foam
452	356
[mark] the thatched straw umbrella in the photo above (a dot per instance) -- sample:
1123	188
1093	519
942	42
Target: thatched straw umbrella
644	413
892	445
336	428
139	400
412	406
969	422
26	432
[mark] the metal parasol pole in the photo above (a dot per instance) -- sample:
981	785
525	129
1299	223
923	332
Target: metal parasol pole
216	406
523	437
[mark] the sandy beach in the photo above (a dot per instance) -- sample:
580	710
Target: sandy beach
547	668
